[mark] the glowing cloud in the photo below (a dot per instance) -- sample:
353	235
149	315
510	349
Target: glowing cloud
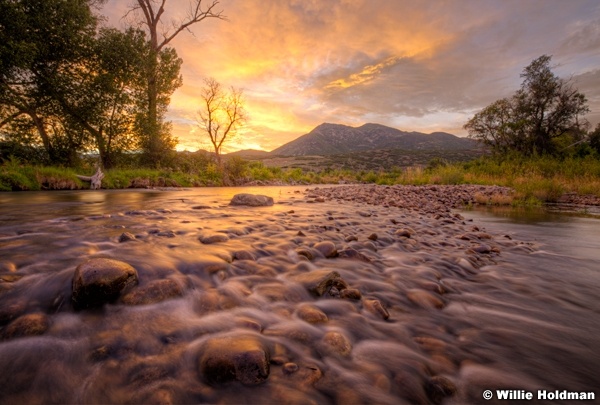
423	66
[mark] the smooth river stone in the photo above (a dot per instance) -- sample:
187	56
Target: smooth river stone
213	238
327	249
98	281
27	325
243	358
319	282
311	314
252	200
155	291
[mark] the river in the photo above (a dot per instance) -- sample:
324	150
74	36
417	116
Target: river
436	319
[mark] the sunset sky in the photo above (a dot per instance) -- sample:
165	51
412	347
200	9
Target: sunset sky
414	65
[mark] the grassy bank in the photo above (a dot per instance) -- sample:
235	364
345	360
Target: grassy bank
535	180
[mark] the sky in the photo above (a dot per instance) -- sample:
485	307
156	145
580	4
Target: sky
426	65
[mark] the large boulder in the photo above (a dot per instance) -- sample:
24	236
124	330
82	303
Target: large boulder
243	358
98	281
252	200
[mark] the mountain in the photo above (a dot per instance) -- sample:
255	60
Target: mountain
250	154
331	139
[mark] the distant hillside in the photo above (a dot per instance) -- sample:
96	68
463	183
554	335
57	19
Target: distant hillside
250	154
331	139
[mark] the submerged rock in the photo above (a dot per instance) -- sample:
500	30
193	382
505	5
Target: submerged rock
327	249
242	358
335	343
376	308
438	388
209	239
26	325
126	237
321	282
98	281
252	200
156	291
311	314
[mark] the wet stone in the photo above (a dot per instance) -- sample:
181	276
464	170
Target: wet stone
126	237
373	237
166	234
243	358
350	294
251	200
98	281
26	325
327	249
311	314
438	388
320	282
376	308
404	233
424	299
290	368
304	252
213	238
243	255
336	343
156	291
353	254
482	248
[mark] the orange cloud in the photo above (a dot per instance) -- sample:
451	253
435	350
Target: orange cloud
403	63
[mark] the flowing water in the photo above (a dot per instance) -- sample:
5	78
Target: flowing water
438	319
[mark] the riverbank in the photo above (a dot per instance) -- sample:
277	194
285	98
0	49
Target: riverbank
534	181
348	294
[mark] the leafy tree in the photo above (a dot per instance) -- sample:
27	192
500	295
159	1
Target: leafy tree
545	108
221	115
594	139
37	40
161	78
101	96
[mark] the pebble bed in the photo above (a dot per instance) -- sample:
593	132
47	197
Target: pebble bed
349	294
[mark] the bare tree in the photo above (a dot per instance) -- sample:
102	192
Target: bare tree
222	114
150	14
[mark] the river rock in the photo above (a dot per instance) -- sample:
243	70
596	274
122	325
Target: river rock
376	308
155	291
327	249
336	343
424	299
209	239
290	368
243	358
243	255
482	248
126	237
438	388
311	314
252	200
98	281
350	294
27	325
320	282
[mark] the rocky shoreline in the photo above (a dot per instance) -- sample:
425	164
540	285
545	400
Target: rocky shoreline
345	294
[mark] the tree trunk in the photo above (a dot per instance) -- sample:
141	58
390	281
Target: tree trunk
95	180
41	128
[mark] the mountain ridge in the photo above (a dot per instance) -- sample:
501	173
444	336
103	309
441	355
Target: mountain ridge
330	139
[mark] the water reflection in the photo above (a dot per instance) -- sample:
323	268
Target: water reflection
571	234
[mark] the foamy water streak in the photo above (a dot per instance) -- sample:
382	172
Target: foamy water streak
472	309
